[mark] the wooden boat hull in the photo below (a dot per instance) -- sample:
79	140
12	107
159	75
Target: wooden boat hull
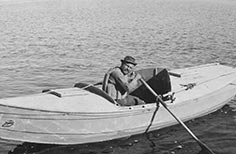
69	127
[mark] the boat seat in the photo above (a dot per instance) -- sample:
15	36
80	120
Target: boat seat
159	81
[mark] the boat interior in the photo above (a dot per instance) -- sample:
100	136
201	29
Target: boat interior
157	78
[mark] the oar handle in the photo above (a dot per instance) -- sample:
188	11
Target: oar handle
175	74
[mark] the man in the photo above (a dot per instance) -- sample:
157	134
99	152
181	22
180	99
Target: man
122	80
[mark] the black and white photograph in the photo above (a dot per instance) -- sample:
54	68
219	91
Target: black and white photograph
117	76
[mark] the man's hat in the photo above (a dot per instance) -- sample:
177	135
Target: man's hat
129	59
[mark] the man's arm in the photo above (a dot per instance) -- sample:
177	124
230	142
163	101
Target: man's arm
135	83
128	83
120	79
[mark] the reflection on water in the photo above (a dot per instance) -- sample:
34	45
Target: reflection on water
48	44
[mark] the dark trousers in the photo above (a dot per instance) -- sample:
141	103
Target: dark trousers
130	100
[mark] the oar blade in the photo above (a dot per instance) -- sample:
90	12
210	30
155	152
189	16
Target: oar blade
205	148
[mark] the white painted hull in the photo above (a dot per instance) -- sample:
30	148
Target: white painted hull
56	123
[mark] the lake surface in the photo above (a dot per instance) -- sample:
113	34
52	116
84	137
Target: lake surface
56	43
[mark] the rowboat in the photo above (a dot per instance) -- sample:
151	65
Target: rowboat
85	113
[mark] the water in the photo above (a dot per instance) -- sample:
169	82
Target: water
56	43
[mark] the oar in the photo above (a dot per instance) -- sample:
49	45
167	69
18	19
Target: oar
204	147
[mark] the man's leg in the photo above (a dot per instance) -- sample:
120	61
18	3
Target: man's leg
130	100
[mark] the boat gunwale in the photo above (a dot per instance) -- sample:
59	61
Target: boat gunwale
121	110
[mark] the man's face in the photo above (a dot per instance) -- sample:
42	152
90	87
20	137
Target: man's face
127	68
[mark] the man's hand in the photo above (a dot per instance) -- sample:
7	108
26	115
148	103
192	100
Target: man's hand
135	83
138	76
